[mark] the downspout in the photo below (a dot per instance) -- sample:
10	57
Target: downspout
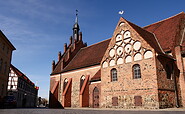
175	87
175	83
182	37
60	89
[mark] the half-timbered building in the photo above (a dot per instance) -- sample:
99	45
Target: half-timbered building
22	88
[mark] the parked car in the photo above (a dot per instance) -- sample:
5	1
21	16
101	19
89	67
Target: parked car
9	102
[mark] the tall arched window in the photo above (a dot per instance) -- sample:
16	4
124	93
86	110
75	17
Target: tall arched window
114	75
82	81
65	84
136	71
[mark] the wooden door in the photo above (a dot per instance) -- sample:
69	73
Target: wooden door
96	98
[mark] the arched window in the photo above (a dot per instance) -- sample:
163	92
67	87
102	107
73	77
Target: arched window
82	81
136	71
114	75
65	84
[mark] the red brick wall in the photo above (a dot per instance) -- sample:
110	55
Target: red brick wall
67	97
85	97
75	90
84	93
126	88
166	99
54	92
167	87
53	98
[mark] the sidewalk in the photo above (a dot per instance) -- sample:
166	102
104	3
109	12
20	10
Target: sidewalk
166	109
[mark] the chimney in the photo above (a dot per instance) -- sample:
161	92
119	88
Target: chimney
62	64
53	65
85	44
65	47
59	55
80	36
71	40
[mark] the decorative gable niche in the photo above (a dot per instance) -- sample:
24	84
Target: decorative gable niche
105	64
137	45
121	24
119	50
120	61
111	52
148	54
112	62
127	34
137	57
128	59
125	47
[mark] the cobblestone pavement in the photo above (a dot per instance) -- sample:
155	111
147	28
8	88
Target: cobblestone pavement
88	111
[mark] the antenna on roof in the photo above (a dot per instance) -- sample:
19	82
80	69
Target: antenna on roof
121	12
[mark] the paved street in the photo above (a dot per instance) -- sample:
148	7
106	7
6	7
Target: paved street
88	111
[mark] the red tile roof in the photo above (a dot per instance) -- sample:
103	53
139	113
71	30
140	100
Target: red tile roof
20	74
88	56
97	76
148	37
17	71
168	31
58	68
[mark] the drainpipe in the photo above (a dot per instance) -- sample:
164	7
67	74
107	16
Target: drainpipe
182	37
175	87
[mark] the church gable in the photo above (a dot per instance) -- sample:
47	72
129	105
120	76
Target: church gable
129	44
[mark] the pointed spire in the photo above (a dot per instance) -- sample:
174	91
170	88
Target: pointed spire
76	28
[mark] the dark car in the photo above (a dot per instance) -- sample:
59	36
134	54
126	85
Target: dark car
9	102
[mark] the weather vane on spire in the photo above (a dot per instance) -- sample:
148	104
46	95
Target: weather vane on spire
121	12
76	12
76	21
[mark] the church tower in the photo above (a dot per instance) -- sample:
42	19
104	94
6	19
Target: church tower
76	28
71	49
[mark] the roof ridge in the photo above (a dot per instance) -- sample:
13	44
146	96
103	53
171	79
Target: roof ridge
164	19
16	69
158	43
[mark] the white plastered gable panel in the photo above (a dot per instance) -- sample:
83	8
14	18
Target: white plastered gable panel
126	46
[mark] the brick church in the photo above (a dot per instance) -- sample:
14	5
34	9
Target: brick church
138	67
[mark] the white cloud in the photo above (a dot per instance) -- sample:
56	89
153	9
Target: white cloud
37	9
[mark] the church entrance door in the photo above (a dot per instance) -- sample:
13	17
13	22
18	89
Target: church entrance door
96	98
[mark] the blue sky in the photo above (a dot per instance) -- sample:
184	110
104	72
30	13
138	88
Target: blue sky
39	28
